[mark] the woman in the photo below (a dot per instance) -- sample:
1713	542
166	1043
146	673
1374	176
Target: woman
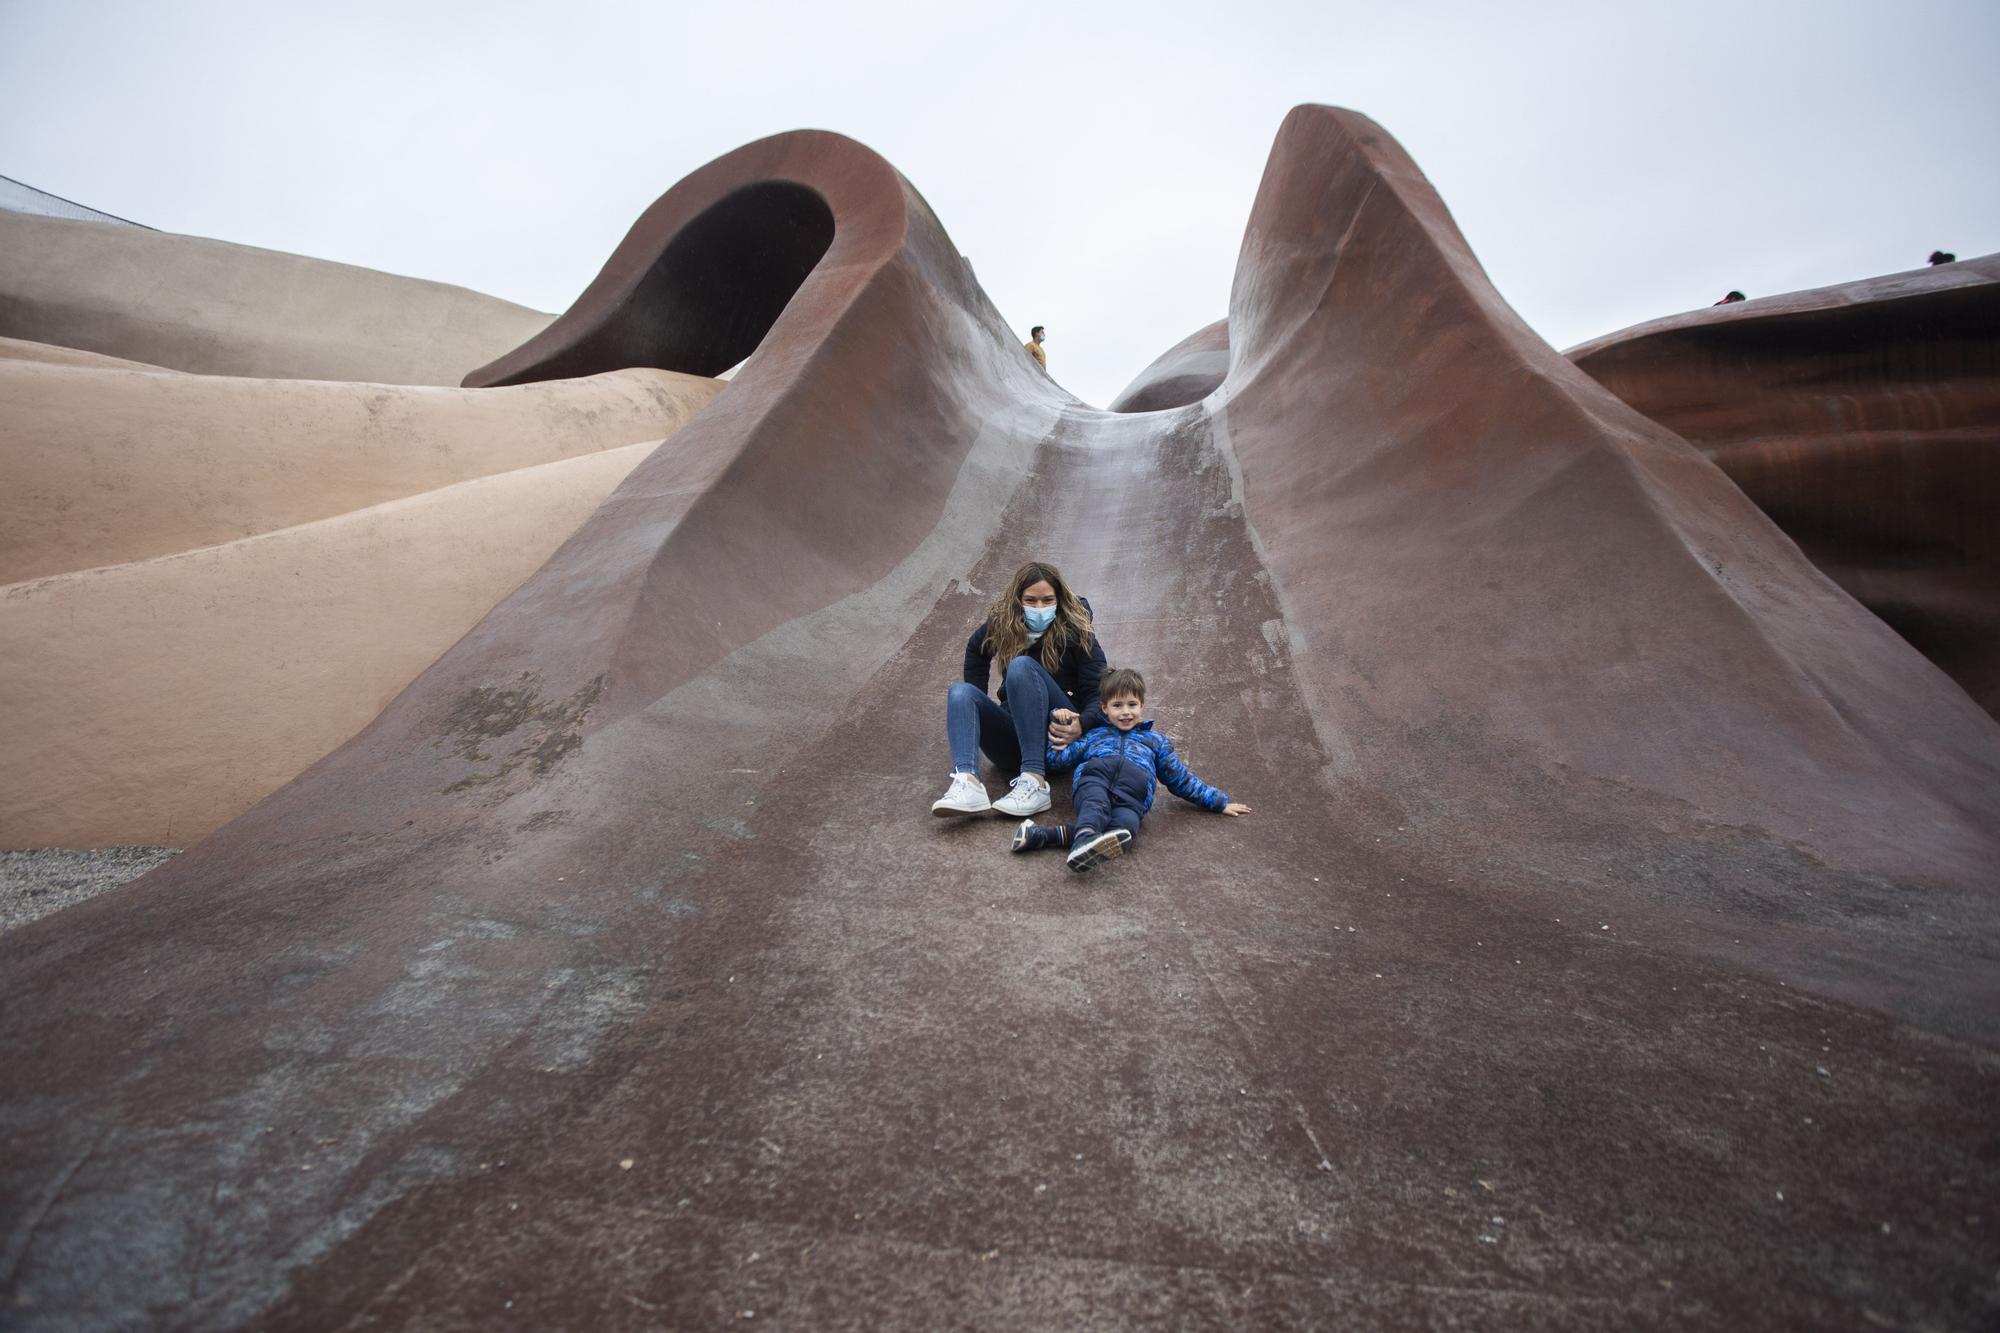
1039	633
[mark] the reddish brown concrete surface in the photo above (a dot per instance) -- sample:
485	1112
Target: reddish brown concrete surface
1612	946
1865	420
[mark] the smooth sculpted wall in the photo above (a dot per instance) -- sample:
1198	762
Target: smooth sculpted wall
1865	420
702	303
210	582
1487	556
1185	373
215	308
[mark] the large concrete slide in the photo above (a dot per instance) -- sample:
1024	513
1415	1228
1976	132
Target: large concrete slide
1612	944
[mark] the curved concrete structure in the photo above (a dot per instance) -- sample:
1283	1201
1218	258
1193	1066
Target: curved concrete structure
221	309
1865	420
1612	944
207	583
150	703
1187	372
20	349
100	466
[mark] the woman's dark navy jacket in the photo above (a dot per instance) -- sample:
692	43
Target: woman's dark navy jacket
1077	673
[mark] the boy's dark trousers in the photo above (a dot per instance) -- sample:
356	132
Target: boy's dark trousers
1103	802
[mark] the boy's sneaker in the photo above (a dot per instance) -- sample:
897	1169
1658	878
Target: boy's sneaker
1025	797
1089	851
1033	837
965	796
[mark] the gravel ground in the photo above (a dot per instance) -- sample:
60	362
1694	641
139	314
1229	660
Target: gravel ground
42	880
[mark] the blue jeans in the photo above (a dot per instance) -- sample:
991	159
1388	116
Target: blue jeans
1015	735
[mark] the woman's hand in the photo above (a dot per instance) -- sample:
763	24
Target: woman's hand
1064	727
1236	808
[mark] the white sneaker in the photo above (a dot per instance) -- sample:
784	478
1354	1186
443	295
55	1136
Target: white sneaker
1026	797
965	796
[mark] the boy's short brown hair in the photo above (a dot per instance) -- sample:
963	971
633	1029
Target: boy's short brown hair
1121	680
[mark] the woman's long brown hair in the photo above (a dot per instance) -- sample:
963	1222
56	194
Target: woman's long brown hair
1007	628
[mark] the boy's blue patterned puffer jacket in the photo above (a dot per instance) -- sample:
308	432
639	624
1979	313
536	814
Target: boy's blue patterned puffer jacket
1145	750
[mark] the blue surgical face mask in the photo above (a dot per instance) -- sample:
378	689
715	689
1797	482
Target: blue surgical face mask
1039	617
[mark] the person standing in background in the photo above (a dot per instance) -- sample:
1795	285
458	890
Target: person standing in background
1035	336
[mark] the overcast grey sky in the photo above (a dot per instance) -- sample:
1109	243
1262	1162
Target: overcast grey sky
1608	162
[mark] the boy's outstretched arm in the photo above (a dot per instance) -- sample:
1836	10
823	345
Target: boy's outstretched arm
1184	784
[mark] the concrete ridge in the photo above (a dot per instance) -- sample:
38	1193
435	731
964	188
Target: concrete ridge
215	307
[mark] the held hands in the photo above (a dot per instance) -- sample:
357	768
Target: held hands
1064	727
1236	808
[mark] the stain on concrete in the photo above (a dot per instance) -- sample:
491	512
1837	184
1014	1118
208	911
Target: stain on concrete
515	727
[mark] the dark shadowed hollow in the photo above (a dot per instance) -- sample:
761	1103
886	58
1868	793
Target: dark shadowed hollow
714	292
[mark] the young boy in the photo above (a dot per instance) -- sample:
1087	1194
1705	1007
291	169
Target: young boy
1117	767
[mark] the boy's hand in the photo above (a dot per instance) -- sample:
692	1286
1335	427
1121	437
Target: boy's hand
1236	808
1064	727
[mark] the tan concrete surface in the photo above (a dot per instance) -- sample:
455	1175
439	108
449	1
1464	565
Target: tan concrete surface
151	702
209	579
221	309
21	349
101	466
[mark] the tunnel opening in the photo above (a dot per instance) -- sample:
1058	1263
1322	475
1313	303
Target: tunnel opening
714	292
